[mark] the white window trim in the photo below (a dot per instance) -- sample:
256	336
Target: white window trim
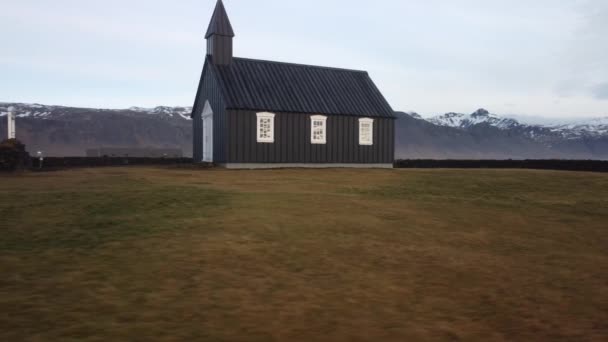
371	133
323	119
265	115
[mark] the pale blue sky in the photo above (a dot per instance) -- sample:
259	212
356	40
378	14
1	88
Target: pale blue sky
540	57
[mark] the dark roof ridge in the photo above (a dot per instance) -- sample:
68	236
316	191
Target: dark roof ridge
296	112
301	65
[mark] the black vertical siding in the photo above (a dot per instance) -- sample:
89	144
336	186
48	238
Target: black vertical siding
292	140
197	136
220	48
210	91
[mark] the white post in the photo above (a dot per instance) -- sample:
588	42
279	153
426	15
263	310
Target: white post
11	123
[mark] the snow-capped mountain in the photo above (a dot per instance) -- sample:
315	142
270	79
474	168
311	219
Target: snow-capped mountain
591	128
25	110
183	112
459	120
597	127
69	131
482	135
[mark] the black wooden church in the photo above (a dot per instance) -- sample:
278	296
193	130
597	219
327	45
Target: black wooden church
259	114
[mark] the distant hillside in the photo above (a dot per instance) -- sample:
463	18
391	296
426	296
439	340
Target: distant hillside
68	131
482	135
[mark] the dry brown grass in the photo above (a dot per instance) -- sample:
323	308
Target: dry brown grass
165	254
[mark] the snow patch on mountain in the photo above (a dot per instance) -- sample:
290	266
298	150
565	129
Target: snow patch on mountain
593	127
543	120
34	110
140	109
414	115
183	112
480	116
26	110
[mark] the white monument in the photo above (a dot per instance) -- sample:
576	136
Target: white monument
11	123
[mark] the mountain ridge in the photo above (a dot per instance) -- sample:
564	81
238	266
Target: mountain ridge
70	131
593	127
63	130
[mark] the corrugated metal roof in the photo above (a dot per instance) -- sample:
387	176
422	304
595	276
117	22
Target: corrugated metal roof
219	24
285	87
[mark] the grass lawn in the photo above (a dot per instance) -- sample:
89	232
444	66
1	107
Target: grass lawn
362	255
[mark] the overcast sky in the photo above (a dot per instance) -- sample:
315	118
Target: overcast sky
528	57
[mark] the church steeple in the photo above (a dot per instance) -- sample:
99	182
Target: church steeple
220	24
219	36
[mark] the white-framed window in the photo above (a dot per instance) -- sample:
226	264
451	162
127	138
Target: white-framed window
318	129
366	131
265	127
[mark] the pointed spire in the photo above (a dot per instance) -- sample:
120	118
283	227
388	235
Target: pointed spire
220	24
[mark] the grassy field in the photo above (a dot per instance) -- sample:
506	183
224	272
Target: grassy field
361	255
